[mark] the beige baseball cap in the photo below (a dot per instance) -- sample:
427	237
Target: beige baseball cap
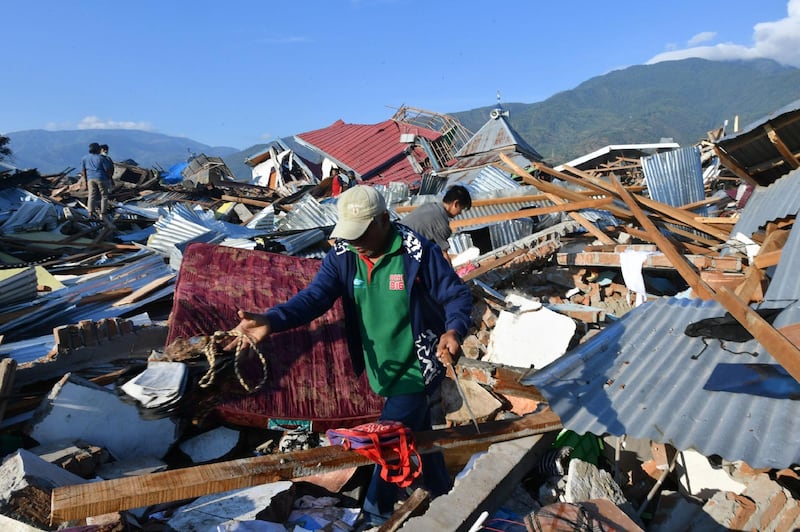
357	206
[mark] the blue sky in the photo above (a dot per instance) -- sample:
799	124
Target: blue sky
244	72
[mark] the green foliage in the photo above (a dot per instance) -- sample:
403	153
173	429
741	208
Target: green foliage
681	100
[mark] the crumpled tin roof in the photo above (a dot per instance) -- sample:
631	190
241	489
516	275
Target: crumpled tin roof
637	377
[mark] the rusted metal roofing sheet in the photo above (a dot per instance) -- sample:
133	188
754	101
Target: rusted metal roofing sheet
640	377
374	151
778	200
752	149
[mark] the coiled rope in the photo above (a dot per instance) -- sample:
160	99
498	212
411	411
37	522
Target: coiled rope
243	344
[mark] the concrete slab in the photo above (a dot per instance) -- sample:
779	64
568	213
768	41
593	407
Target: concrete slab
698	478
530	338
26	482
79	409
491	479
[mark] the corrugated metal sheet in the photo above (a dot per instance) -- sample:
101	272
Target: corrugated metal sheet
18	284
779	200
675	177
308	213
495	135
183	224
492	179
638	377
65	306
752	149
508	231
31	214
784	287
374	151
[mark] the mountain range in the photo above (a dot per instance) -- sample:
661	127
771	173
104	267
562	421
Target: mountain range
680	100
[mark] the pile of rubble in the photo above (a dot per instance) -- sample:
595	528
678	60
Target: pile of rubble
632	364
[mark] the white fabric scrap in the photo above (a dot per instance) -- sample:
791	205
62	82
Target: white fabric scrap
631	262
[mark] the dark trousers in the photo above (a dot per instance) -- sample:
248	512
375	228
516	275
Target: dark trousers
413	411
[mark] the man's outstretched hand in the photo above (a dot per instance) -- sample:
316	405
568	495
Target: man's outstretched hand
253	327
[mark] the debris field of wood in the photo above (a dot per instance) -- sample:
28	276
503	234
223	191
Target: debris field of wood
576	271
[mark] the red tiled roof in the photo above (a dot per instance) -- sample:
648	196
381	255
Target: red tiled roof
372	150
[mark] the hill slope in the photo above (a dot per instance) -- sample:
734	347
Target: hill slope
681	100
678	99
54	151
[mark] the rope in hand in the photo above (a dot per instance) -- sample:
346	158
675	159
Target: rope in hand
243	343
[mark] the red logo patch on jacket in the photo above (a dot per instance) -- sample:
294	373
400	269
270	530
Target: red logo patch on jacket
396	282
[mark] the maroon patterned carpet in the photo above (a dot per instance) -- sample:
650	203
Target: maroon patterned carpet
311	376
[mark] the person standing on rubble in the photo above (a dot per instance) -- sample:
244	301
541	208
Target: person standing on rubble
96	172
432	220
406	312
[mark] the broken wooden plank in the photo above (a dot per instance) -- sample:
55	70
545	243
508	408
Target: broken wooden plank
490	264
416	504
679	215
586	224
561	192
536	211
8	368
684	268
658	261
528	198
84	500
753	285
765	260
725	220
145	290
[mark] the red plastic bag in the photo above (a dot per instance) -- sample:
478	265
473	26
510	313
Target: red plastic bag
375	441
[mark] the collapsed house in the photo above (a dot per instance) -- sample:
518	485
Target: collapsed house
633	359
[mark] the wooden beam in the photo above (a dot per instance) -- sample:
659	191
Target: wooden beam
781	348
765	260
751	288
490	264
536	211
658	261
586	224
701	203
727	220
679	215
699	287
246	201
485	202
561	192
8	368
734	167
79	501
416	504
782	148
